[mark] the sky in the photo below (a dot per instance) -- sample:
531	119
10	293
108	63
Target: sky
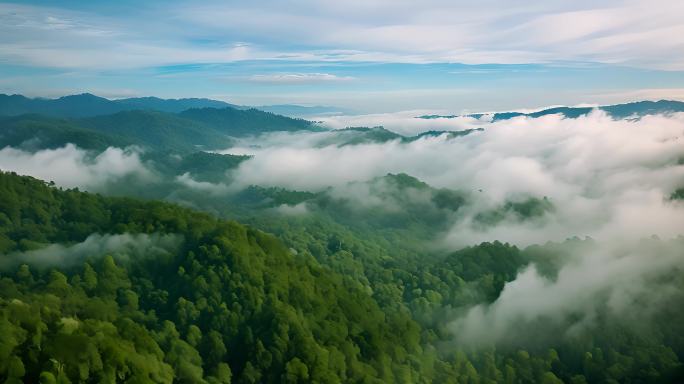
369	56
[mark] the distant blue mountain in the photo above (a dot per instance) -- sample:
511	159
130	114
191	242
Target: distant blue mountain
173	105
88	105
82	105
618	111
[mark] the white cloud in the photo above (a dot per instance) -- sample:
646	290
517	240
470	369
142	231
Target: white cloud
637	32
83	40
608	179
292	210
299	78
404	122
211	188
70	166
645	33
121	246
596	281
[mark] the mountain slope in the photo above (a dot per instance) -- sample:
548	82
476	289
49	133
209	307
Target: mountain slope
171	105
158	130
88	105
234	122
151	292
81	105
34	132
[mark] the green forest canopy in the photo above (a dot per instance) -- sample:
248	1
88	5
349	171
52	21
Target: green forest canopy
234	304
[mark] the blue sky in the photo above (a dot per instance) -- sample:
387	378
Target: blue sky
364	55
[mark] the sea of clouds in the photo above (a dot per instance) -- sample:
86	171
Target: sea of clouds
606	178
70	166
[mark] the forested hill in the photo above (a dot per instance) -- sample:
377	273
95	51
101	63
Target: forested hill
35	132
235	122
157	130
207	128
183	125
146	129
82	105
133	291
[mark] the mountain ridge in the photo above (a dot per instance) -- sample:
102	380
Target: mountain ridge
75	105
619	111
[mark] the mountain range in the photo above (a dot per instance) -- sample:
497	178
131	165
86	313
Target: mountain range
92	122
617	111
191	124
88	105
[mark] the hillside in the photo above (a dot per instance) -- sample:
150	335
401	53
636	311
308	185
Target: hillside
34	132
235	122
82	105
89	105
185	296
158	130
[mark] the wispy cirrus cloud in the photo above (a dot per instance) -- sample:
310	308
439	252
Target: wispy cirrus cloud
637	32
299	78
67	39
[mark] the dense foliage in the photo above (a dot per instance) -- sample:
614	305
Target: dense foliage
327	303
34	132
231	300
92	122
157	130
237	122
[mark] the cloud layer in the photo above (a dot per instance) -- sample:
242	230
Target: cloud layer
636	32
70	166
597	283
606	178
122	246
